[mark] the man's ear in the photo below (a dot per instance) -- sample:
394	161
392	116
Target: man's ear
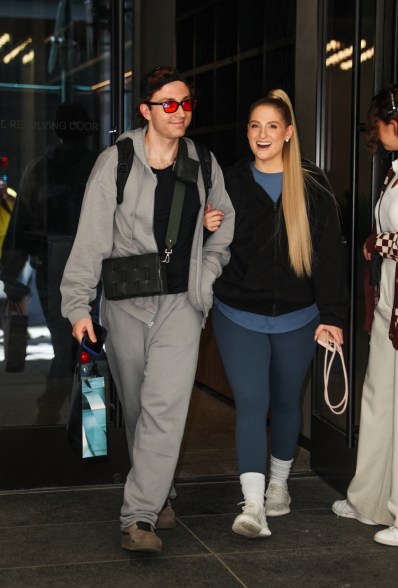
395	125
145	111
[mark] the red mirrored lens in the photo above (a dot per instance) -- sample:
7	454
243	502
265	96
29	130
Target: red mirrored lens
173	105
188	105
170	107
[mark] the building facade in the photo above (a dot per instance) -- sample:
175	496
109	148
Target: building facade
330	56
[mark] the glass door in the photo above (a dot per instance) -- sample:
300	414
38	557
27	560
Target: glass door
356	48
65	68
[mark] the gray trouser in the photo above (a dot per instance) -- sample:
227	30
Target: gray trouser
154	370
374	489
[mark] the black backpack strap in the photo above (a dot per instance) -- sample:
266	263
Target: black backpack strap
205	164
125	150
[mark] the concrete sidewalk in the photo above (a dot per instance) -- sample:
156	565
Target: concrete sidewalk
71	537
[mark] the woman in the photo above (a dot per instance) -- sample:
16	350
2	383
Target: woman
372	497
284	284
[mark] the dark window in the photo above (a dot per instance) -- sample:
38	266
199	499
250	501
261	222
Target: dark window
250	84
280	20
279	69
204	37
185	38
235	51
226	94
225	147
227	29
251	23
204	87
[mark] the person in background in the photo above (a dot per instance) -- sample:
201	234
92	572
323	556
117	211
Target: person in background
152	344
40	234
7	200
372	496
284	284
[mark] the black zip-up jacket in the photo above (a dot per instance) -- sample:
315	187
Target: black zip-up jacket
259	277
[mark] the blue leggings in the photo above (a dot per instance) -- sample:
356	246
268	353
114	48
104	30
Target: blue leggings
265	371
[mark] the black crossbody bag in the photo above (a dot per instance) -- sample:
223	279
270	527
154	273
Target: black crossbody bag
146	275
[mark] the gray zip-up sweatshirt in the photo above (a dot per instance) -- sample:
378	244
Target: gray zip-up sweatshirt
107	229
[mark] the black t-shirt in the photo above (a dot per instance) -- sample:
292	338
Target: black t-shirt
178	268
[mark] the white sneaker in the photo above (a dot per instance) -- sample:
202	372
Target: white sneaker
277	500
251	522
387	536
342	508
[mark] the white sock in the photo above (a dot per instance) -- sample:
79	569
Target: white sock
253	487
279	470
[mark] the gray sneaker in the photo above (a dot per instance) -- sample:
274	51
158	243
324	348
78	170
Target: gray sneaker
141	536
251	522
277	500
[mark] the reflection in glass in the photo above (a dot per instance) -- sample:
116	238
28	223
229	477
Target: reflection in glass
55	92
338	160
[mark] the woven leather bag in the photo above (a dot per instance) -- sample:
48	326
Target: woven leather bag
133	276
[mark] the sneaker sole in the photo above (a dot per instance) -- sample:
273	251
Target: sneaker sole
276	513
357	517
250	530
128	544
386	542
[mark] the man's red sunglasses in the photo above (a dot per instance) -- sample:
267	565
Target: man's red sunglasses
171	106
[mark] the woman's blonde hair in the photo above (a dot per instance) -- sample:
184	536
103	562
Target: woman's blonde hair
294	205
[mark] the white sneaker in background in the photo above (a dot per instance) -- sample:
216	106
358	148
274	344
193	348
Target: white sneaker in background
251	522
342	508
387	536
277	500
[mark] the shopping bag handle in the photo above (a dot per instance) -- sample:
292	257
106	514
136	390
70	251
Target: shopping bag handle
332	347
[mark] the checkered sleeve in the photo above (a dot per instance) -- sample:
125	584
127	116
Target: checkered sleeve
387	245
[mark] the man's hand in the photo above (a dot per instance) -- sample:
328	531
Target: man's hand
82	326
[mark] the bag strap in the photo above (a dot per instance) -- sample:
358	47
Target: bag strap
125	150
205	165
176	208
332	347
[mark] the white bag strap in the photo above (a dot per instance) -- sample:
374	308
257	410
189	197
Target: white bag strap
332	347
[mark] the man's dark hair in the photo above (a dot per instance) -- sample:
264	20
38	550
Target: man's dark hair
157	78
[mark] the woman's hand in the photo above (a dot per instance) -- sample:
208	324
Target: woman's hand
212	218
82	326
335	332
366	253
369	247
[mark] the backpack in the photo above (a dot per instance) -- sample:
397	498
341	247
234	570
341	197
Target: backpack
125	149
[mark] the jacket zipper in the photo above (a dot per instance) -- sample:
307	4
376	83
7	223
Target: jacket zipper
275	283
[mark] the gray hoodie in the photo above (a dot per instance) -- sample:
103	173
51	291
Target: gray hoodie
107	229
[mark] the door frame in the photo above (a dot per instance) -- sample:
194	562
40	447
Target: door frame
40	456
333	450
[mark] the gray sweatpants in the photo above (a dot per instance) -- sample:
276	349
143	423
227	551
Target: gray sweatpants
154	370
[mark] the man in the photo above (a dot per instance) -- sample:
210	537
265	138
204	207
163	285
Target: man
153	341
